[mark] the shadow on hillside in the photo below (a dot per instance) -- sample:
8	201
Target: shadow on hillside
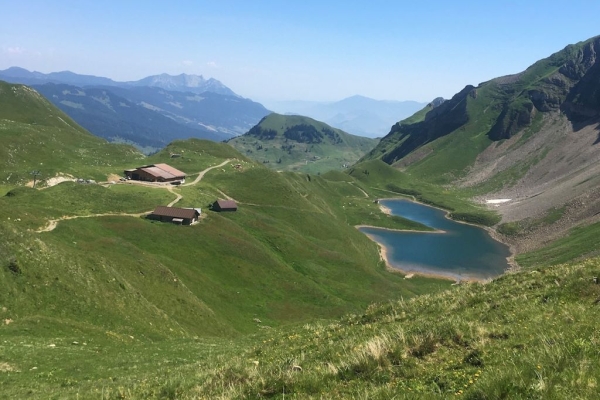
598	129
578	125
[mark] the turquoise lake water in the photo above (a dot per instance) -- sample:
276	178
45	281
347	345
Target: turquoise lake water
461	252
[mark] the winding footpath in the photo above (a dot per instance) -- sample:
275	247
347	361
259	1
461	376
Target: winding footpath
177	198
201	174
54	222
363	192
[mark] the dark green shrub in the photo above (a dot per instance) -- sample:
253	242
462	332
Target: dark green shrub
13	266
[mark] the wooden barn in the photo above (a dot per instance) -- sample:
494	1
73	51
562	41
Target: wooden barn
224	205
180	216
155	173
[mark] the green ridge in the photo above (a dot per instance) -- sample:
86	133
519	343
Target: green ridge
450	136
35	135
297	143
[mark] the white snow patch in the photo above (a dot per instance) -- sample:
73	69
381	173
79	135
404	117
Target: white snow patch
497	201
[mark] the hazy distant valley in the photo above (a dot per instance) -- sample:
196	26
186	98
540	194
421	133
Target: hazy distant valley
357	115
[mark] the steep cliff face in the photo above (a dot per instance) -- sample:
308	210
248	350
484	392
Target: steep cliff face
567	82
440	118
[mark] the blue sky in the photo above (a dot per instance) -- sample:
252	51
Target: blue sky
296	50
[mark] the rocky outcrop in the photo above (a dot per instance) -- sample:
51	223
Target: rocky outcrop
573	87
512	119
438	101
568	82
439	121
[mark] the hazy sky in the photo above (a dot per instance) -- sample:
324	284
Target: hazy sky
296	50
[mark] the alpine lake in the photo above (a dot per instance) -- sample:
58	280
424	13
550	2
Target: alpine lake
455	250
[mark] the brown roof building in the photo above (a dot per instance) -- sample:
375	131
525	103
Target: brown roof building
182	216
224	205
155	173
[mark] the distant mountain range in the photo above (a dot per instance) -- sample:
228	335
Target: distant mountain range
148	113
298	143
179	83
185	83
358	115
155	110
118	119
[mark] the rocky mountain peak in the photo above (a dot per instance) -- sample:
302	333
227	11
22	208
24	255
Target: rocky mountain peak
436	102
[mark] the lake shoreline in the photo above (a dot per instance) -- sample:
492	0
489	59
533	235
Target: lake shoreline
391	267
388	211
399	230
383	256
493	233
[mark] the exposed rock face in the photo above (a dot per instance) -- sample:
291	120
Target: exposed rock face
576	74
440	121
437	102
568	82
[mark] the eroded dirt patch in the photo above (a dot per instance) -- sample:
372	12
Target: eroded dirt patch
6	367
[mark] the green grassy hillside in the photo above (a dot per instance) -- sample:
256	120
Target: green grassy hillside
383	181
297	143
527	335
291	253
283	298
35	135
105	279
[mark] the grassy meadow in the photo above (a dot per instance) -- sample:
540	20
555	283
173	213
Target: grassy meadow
284	298
526	335
128	288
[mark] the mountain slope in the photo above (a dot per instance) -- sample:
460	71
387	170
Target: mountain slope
475	341
297	143
224	115
205	105
247	304
115	118
80	259
532	137
35	135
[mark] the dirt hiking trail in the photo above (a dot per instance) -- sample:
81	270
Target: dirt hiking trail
51	225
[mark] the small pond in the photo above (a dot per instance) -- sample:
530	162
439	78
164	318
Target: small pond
461	251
